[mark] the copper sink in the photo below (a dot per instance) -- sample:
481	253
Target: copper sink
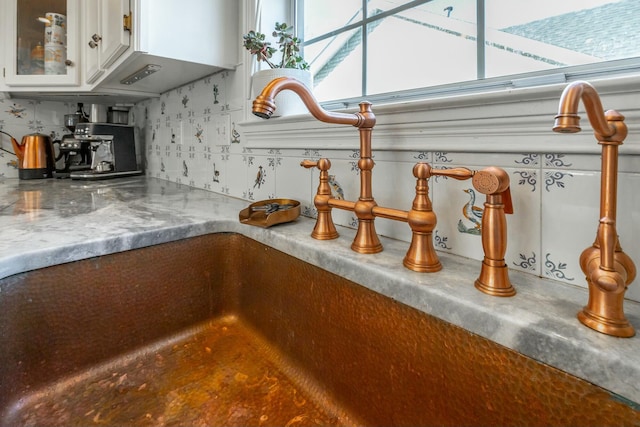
222	330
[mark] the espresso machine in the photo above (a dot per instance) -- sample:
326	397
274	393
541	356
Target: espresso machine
112	150
74	153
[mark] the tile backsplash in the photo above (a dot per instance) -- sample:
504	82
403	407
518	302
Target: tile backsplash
555	196
193	135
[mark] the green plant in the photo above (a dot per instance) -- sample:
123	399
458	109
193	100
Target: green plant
257	45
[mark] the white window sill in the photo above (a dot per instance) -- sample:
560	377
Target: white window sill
507	120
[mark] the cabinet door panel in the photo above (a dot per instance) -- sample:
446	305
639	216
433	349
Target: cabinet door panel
90	46
41	42
115	39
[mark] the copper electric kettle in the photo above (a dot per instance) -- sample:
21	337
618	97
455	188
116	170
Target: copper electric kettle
36	158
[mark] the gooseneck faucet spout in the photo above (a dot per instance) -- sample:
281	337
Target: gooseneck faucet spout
264	105
608	269
366	240
567	120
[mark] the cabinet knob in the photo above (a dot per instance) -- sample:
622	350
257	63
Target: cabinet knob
93	44
68	63
96	38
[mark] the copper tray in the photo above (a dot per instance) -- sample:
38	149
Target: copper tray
266	213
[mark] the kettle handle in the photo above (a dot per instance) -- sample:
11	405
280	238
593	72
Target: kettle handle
60	153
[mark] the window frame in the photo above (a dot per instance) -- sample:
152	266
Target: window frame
614	68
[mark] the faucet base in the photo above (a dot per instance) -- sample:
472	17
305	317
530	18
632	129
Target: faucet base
427	266
614	327
494	280
366	240
421	256
604	312
324	229
318	235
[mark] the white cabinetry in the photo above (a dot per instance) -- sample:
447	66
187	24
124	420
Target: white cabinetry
106	35
41	43
108	41
183	40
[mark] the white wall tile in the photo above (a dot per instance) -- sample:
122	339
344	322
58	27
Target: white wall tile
523	226
570	206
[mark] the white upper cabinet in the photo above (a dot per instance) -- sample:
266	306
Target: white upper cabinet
89	42
136	48
41	43
106	35
115	30
174	43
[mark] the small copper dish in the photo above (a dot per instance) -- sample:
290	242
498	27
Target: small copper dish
266	213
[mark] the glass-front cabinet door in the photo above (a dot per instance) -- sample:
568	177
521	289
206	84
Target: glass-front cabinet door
41	42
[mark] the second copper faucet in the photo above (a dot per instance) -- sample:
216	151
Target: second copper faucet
607	268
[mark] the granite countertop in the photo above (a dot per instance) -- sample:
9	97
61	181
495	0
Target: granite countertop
48	222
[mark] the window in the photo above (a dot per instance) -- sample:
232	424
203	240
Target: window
386	49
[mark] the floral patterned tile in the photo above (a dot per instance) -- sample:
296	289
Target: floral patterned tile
570	205
571	162
17	111
235	130
199	97
400	156
523	244
52	113
394	186
344	180
458	208
261	177
295	182
235	175
477	160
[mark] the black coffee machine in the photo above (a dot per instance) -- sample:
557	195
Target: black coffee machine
75	153
112	151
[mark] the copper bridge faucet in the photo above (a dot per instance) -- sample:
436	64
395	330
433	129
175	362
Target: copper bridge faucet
421	256
607	268
366	240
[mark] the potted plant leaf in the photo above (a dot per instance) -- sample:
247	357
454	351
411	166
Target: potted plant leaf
290	64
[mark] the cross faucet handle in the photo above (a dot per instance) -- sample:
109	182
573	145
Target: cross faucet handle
460	174
322	164
308	164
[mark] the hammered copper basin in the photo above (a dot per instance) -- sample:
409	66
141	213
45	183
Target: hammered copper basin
222	330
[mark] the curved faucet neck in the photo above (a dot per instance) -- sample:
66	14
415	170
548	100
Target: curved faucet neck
264	106
567	118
